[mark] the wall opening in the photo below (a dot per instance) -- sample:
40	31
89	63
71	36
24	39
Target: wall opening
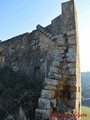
16	58
46	53
0	55
37	73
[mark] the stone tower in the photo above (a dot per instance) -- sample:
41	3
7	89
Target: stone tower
62	85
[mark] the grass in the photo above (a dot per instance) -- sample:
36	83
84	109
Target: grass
86	110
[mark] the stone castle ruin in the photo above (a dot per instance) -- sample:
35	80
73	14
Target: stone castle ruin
50	54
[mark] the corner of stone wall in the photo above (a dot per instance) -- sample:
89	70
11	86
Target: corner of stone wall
62	87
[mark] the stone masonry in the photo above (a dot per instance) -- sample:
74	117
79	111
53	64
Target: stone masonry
50	54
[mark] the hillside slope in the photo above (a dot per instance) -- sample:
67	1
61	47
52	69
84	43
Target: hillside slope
85	78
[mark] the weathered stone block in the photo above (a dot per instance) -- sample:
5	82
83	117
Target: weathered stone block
56	63
54	75
54	69
72	41
61	48
44	103
71	82
50	87
72	103
74	95
71	55
60	87
60	36
60	42
61	82
72	32
64	67
65	71
72	65
42	114
56	52
73	88
47	93
58	58
50	81
72	71
53	102
53	118
72	77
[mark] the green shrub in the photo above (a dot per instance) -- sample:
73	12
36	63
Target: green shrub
17	90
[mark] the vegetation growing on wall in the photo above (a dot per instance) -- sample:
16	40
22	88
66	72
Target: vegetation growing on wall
17	91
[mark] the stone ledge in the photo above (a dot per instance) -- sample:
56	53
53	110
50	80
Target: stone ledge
42	30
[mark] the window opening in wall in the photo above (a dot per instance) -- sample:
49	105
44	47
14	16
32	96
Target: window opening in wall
0	53
45	53
16	58
37	73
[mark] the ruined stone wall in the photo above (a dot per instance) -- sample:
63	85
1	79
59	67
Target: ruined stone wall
26	52
63	84
50	54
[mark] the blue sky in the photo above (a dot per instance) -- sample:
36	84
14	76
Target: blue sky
20	16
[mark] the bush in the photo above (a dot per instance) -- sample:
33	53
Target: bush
16	90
